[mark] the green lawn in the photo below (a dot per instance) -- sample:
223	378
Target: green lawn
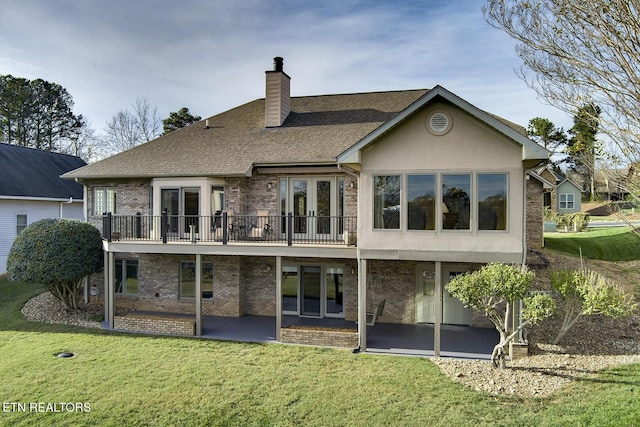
138	380
609	244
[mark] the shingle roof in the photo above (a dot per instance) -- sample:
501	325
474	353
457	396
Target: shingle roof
26	172
316	131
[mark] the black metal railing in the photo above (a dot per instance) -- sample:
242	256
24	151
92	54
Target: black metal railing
228	228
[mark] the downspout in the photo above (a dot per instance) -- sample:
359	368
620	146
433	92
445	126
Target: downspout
64	203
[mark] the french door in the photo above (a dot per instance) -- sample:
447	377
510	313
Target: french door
183	210
313	203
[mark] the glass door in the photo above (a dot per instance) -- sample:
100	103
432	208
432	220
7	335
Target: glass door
310	291
334	292
191	209
453	311
425	293
312	201
183	210
171	203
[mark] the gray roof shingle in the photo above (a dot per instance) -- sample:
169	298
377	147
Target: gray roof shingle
27	172
316	131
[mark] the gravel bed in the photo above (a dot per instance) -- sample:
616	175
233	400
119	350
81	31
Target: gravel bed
48	309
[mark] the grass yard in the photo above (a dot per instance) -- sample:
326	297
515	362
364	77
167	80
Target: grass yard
608	244
139	380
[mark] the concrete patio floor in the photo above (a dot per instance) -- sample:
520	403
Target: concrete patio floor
384	338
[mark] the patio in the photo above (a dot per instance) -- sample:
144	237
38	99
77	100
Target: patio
383	338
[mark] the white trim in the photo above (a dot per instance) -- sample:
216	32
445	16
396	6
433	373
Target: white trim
40	199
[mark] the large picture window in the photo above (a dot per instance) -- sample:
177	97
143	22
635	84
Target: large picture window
492	201
126	276
456	202
188	280
386	202
104	200
421	202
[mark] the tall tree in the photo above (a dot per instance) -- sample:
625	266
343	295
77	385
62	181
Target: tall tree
580	52
583	148
126	129
36	113
178	119
545	133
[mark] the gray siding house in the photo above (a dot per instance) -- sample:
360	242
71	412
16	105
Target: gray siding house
31	189
317	207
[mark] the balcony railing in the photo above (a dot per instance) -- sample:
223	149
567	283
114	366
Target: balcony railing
227	228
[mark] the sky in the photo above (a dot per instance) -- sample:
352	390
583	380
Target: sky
211	55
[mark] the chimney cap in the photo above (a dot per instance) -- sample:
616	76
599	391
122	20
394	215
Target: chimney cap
277	63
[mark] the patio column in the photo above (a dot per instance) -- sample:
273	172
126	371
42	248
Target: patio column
362	304
110	289
105	277
198	295
438	319
278	296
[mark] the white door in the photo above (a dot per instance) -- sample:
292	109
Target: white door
425	293
453	311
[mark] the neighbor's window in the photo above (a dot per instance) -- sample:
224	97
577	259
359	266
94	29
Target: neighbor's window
104	200
421	202
188	280
492	201
21	223
566	201
456	202
126	276
386	202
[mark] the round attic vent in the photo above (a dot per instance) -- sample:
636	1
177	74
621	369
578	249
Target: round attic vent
439	123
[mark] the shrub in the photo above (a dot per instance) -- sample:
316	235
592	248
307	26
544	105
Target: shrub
57	253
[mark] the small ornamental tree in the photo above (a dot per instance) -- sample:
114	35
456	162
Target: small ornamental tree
57	253
585	293
493	289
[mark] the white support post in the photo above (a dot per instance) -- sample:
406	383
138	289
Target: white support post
112	289
198	295
278	296
438	319
107	292
362	304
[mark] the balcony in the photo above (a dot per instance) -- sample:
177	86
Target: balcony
226	228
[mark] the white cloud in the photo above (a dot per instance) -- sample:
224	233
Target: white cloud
211	55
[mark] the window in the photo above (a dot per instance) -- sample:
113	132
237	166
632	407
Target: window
217	199
386	202
21	223
456	202
126	276
421	202
104	200
492	201
188	280
566	201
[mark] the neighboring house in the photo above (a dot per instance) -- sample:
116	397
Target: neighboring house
315	206
565	196
31	189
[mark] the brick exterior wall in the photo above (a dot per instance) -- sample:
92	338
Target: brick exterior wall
169	325
326	337
132	196
535	214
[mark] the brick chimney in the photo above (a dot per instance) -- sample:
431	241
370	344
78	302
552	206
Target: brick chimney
277	98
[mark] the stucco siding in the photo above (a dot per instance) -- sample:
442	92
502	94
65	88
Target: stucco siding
468	148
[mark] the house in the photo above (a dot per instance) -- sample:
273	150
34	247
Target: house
31	189
325	207
565	196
